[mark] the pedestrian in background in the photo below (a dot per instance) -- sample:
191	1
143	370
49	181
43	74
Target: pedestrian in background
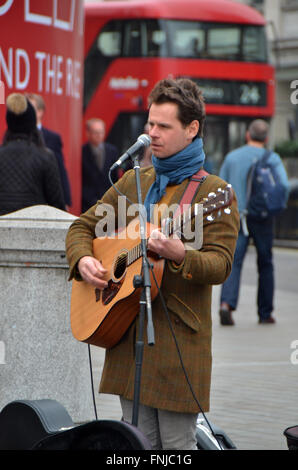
97	158
235	170
28	170
53	141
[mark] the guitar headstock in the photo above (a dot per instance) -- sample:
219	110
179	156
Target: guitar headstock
221	200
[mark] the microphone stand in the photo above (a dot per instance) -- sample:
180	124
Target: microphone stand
142	281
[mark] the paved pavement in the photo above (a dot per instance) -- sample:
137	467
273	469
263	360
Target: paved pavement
255	378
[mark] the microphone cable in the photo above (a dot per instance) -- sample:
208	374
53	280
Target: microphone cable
92	382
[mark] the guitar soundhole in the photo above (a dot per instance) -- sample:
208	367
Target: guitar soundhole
120	266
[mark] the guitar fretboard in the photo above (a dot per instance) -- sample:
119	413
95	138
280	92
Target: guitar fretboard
134	254
215	201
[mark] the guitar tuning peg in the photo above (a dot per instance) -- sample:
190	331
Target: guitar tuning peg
219	213
210	218
227	210
212	194
220	190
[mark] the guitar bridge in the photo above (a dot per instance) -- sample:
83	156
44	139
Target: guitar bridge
111	291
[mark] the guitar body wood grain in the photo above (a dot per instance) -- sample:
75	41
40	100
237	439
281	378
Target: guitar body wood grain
101	322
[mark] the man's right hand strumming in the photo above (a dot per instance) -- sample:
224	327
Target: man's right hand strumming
92	271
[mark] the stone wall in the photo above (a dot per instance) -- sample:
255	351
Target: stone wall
39	356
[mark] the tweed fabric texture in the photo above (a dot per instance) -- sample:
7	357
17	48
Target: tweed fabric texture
187	294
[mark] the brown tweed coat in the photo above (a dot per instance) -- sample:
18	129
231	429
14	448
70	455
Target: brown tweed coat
187	292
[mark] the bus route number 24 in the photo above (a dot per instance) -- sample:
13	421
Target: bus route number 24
249	94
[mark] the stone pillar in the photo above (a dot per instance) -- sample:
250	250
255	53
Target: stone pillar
39	356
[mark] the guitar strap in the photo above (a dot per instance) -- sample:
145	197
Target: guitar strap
191	189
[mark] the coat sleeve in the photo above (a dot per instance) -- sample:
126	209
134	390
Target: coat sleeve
212	263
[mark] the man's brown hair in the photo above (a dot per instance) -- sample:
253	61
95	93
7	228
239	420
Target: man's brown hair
188	97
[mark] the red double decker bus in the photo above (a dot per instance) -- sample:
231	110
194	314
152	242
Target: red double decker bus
220	44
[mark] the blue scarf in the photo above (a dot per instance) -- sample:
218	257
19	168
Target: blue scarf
174	170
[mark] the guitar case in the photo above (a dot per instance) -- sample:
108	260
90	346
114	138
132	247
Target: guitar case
46	425
25	422
97	435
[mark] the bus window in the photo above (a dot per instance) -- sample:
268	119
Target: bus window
132	39
156	40
109	40
215	41
254	44
224	42
144	39
187	38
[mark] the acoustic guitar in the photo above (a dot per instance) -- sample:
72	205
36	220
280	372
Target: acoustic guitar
101	317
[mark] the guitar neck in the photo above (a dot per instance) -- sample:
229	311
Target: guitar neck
135	253
171	228
214	202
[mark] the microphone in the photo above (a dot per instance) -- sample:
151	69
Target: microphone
143	141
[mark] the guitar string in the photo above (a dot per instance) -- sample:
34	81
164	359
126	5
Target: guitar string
135	253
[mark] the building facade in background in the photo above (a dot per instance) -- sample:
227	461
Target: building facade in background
282	20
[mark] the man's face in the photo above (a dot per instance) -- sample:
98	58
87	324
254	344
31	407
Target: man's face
168	136
96	133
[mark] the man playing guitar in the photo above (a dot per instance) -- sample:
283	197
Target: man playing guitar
168	409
